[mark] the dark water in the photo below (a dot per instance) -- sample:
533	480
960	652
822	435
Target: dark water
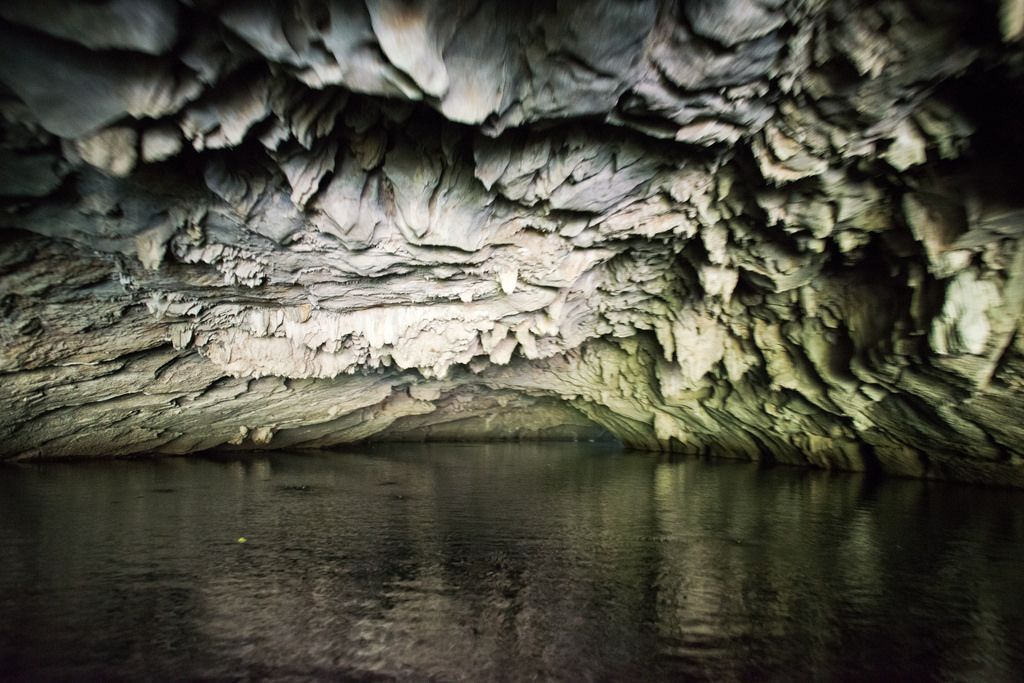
503	562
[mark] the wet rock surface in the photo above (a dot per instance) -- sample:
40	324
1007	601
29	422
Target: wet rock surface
783	230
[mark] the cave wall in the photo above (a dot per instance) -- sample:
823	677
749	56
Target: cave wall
769	229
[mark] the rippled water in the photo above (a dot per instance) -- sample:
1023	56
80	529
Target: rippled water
502	562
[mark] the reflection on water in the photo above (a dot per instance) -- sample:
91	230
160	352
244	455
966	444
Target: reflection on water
504	561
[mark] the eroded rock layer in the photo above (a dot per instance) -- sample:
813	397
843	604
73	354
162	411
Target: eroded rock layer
768	229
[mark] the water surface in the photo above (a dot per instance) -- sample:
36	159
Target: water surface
502	562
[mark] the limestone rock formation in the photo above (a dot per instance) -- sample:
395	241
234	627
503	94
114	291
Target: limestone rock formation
769	229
